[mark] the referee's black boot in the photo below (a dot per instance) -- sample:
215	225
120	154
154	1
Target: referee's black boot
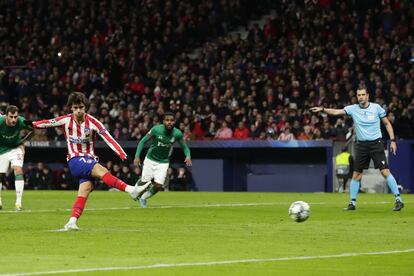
398	205
351	207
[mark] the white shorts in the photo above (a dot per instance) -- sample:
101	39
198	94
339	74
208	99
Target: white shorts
154	170
15	157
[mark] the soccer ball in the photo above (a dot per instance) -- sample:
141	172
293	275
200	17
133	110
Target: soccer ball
299	211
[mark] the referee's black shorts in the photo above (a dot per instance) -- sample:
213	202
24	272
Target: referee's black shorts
367	150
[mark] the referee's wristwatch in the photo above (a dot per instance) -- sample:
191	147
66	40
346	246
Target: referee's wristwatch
392	140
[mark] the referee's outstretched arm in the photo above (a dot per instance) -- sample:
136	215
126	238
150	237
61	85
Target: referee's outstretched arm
329	111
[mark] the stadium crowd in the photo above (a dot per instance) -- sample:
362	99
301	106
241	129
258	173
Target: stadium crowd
132	60
136	60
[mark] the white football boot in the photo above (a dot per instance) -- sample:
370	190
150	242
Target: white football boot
70	226
139	190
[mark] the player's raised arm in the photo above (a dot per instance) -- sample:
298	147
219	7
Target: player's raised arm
329	111
55	122
109	140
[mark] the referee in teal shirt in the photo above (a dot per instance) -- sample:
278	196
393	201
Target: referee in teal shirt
367	117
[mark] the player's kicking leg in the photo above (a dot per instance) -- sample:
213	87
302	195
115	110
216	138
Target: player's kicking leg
103	174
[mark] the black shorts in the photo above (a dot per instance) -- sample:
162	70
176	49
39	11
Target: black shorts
367	150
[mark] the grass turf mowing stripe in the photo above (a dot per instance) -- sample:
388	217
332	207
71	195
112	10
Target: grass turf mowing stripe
154	266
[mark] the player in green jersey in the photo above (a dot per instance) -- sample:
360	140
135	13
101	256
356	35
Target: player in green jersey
158	156
12	149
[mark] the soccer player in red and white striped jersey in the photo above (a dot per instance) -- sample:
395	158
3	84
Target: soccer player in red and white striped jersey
81	130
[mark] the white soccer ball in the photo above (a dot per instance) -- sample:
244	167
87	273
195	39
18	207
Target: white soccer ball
299	211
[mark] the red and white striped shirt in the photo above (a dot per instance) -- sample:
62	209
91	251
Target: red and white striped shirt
81	138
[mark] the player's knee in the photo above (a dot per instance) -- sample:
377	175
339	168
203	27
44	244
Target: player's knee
385	172
99	171
357	176
18	170
85	189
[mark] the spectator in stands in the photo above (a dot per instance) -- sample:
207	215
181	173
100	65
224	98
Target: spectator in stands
47	181
136	174
286	135
37	179
65	180
126	174
224	132
316	134
271	134
305	134
110	165
179	179
254	131
340	130
326	131
212	130
30	176
187	134
197	129
116	170
241	132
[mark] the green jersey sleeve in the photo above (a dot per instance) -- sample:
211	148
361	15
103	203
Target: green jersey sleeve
10	136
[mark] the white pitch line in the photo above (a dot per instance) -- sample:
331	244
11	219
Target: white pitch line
187	206
153	266
160	207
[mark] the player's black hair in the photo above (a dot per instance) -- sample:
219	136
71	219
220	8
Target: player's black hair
168	113
77	98
12	109
364	89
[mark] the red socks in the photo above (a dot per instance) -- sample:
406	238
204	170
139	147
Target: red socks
114	182
78	206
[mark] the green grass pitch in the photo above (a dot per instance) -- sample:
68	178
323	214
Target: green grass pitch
197	233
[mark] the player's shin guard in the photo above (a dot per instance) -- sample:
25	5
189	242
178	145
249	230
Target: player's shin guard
353	190
78	207
114	182
392	184
19	185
